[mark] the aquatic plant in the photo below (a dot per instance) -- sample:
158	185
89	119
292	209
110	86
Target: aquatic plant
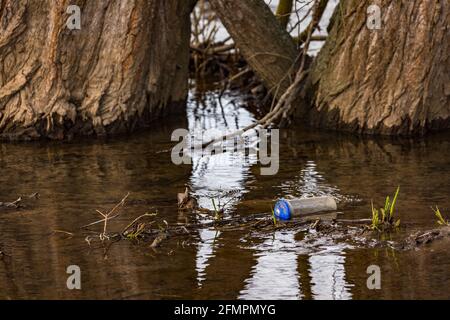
216	210
221	200
384	218
135	228
440	219
134	234
273	216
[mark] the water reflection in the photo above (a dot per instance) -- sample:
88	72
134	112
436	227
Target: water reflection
275	274
280	258
216	175
223	172
309	183
205	250
327	274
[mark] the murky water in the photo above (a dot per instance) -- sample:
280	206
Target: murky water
74	179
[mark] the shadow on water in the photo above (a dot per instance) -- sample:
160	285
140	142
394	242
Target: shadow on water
74	179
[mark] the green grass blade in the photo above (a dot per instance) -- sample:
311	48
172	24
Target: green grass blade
214	205
441	221
387	204
273	217
391	212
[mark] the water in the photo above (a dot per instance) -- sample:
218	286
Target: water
74	179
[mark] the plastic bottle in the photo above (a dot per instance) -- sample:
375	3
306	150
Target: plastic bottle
285	209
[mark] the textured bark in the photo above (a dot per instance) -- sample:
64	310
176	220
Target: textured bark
127	66
393	81
268	49
283	12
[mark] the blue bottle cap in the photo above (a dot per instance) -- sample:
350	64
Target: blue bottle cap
282	210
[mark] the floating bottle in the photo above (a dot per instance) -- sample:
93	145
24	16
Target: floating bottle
285	209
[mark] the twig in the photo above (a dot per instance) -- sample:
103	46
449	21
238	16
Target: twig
107	217
14	204
65	232
319	8
137	219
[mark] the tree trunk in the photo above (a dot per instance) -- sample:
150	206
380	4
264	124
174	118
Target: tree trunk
268	49
395	80
283	12
126	66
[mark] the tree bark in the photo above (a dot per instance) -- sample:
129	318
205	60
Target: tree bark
268	49
283	12
393	81
126	66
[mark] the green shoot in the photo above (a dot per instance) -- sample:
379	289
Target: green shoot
391	212
136	233
383	218
273	217
375	219
441	221
216	211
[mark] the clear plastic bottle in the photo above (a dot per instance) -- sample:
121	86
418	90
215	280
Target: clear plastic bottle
285	209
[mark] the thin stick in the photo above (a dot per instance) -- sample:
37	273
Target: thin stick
62	231
107	216
138	218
